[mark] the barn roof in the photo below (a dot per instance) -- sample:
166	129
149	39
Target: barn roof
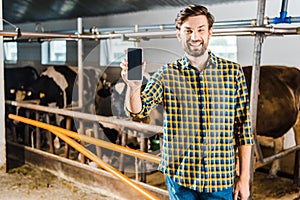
23	11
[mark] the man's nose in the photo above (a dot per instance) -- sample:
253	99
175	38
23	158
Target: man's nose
195	35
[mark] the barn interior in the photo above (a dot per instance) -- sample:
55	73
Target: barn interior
94	34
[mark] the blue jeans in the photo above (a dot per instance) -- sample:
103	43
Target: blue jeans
177	192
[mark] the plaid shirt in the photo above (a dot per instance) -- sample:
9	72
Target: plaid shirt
206	113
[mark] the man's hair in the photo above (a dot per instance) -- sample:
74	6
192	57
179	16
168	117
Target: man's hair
191	11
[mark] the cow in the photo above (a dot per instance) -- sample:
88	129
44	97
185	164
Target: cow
54	85
17	78
278	104
57	86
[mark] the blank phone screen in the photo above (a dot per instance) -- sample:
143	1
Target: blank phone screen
134	56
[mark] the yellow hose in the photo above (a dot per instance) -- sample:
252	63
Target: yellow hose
91	140
86	153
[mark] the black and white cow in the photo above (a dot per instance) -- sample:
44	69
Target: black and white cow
53	86
57	86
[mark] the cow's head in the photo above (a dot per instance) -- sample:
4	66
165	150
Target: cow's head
16	93
44	90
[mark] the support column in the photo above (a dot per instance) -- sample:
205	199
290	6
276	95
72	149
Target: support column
258	41
2	101
80	64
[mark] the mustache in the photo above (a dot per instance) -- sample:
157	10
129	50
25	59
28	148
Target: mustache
190	40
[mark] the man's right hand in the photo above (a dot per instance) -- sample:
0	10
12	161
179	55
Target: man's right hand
133	94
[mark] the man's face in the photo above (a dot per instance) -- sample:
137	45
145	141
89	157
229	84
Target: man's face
194	35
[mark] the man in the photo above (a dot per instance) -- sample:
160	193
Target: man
206	114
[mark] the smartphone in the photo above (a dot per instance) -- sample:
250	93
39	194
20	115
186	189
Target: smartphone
134	58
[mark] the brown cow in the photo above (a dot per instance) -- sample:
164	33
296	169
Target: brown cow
278	103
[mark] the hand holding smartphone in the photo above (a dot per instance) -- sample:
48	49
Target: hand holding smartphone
134	58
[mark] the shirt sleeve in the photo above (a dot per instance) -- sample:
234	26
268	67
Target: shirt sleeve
242	125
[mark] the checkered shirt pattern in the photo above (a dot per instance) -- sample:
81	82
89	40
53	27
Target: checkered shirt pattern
206	113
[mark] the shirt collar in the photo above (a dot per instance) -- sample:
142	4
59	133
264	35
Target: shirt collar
212	62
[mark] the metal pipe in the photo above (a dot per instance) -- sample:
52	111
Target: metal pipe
270	159
284	19
39	35
218	31
80	63
246	30
283	14
256	29
88	154
110	120
246	22
131	28
2	100
254	86
97	135
256	74
80	75
284	5
37	132
295	19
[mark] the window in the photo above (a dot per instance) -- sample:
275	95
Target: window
10	52
54	52
112	51
224	46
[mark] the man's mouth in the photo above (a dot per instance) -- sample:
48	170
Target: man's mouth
195	44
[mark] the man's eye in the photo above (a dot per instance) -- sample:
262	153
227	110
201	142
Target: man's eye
188	31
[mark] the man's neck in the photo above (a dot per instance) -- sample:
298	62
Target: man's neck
199	62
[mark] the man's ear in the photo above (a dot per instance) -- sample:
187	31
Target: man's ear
178	35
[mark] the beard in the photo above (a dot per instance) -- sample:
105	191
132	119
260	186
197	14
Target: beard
194	52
